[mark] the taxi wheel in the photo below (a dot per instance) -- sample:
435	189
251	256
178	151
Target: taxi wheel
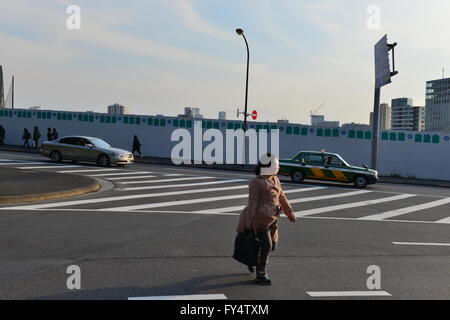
103	160
360	182
297	176
56	156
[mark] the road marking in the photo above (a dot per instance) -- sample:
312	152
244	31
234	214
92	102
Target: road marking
422	244
118	174
120	198
128	178
166	180
238	208
190	297
352	205
180	185
398	212
328	294
221	214
17	163
47	167
90	170
190	201
444	221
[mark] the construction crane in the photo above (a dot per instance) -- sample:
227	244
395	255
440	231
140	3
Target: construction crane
313	112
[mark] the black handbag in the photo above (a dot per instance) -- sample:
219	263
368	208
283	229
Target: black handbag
246	248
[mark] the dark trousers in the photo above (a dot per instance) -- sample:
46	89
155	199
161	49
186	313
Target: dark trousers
267	246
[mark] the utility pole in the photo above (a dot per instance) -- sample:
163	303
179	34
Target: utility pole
12	92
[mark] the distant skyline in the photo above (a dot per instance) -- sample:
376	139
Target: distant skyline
158	56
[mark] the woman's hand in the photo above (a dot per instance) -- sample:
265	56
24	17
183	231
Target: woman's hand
292	218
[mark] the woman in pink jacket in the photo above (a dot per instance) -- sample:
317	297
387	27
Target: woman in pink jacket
265	202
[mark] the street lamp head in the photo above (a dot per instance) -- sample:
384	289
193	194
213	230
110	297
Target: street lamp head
240	31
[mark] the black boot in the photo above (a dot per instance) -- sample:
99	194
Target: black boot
263	280
251	269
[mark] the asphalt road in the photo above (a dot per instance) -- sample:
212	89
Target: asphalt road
162	231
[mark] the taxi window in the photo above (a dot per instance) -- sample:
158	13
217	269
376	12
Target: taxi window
72	141
333	161
313	158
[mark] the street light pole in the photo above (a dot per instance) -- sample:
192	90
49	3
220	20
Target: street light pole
241	33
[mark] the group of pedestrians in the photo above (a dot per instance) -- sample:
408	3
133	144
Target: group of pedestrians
26	136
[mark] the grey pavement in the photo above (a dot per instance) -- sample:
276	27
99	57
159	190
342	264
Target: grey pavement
157	230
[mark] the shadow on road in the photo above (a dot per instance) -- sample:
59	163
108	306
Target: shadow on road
193	286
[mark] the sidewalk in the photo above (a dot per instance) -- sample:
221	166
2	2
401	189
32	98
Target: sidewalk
247	168
18	186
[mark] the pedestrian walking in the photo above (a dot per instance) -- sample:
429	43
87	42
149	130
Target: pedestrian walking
49	134
265	202
137	146
36	137
26	138
54	134
2	135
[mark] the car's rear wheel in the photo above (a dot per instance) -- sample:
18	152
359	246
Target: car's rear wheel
56	156
297	176
103	160
360	182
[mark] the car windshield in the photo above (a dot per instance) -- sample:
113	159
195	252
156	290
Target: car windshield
99	143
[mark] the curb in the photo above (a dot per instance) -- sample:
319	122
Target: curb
52	195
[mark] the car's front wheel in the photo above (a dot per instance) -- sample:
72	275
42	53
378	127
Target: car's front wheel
56	156
103	160
360	182
297	176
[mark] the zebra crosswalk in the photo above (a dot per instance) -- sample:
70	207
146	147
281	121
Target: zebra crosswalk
191	191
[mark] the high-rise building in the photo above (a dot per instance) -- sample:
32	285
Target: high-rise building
405	116
222	115
385	117
437	105
117	109
2	93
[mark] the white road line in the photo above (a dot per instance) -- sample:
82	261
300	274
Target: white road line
18	163
181	185
399	212
127	178
422	244
166	180
190	297
89	170
444	221
47	167
352	205
239	208
118	174
329	294
190	201
121	198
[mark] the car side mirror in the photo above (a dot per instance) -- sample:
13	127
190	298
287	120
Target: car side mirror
365	166
90	146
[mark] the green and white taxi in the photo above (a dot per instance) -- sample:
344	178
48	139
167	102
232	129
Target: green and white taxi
326	166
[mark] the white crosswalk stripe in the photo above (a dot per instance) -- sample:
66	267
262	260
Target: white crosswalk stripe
87	170
399	212
168	180
352	205
292	201
180	185
49	167
191	201
129	178
444	221
119	174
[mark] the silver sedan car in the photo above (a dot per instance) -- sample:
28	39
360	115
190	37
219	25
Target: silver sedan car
80	148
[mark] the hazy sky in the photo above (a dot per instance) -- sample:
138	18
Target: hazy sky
158	56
